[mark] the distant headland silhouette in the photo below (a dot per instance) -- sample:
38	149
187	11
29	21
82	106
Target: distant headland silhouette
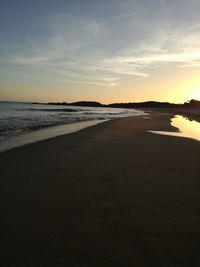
148	104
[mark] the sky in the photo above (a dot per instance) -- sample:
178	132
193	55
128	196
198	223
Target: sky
107	51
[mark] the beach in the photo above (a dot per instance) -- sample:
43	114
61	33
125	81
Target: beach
113	194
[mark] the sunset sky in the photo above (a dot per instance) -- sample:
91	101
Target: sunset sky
107	51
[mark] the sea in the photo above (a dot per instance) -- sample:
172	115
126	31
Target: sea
24	123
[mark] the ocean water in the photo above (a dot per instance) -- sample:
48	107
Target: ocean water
23	123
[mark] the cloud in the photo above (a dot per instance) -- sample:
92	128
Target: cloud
106	50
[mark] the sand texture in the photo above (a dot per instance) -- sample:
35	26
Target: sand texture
109	195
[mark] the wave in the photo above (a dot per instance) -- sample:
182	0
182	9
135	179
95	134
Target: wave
16	119
9	130
52	110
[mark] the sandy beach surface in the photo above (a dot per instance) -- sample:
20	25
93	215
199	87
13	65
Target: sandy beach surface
109	195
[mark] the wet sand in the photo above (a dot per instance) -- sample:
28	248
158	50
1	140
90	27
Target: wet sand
109	195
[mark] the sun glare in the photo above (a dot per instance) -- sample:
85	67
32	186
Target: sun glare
196	94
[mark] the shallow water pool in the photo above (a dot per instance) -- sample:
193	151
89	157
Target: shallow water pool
187	128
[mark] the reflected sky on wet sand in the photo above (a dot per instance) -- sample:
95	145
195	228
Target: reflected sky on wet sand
187	128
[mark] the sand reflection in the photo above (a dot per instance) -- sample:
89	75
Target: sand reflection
187	128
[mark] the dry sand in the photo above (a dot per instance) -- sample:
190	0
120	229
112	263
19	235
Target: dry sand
109	195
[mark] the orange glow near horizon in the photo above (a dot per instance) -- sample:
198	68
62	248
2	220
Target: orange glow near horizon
175	87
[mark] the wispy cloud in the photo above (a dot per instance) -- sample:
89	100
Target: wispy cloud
107	50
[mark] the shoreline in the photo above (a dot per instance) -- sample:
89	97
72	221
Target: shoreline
31	123
38	135
65	129
108	195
